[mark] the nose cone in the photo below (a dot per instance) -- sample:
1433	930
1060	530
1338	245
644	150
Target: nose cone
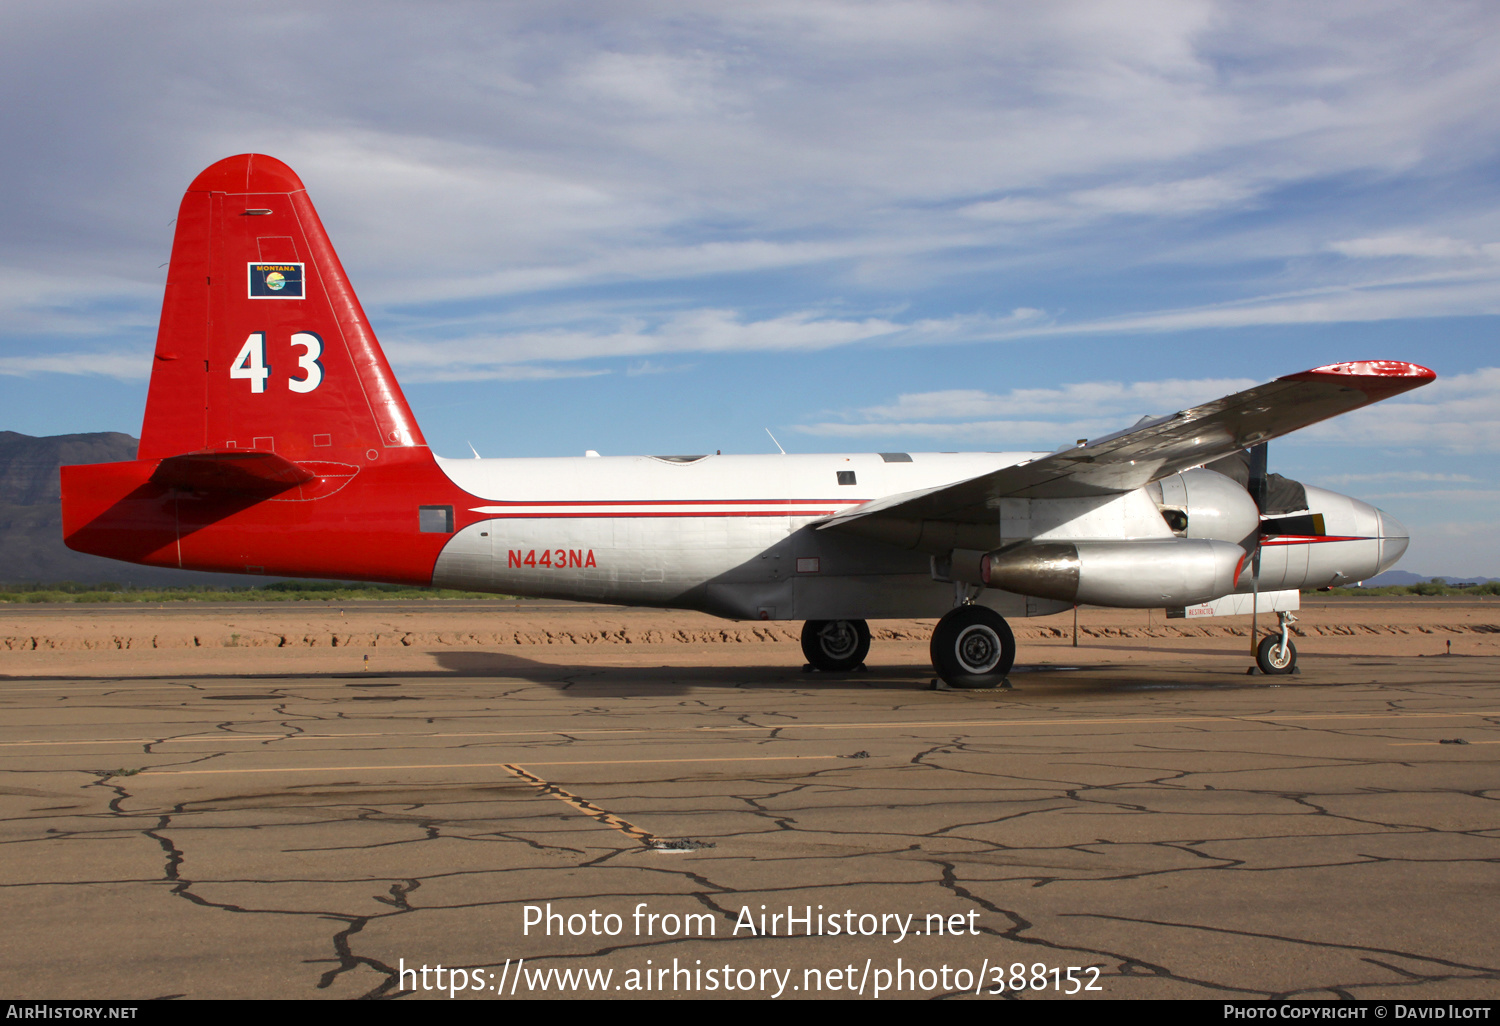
1393	540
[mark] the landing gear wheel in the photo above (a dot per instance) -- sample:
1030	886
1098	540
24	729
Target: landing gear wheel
973	647
835	645
1273	659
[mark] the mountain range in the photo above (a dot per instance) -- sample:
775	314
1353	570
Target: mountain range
31	544
1406	577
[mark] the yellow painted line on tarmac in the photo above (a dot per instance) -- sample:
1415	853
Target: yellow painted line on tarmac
741	728
346	680
200	738
582	805
1408	744
474	765
145	740
1121	721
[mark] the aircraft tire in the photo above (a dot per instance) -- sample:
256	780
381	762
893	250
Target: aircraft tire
1272	660
973	647
835	645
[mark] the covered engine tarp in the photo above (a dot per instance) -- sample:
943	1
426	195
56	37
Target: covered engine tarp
1283	495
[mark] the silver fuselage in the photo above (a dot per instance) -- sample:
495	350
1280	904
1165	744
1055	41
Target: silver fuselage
737	536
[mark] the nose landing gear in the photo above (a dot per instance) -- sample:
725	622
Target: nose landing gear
1276	655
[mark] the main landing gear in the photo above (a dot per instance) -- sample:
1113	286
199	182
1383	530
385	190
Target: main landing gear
973	647
835	645
1276	654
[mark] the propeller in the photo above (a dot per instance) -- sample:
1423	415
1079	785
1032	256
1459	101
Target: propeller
1256	486
1274	497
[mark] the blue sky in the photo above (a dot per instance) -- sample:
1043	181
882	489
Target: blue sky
665	227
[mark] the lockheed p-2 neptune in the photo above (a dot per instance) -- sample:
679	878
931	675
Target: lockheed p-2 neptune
277	441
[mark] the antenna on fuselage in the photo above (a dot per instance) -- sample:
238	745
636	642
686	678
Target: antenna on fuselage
778	444
473	450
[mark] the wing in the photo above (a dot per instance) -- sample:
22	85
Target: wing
1128	459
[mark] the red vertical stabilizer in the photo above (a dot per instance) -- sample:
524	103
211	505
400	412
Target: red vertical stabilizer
276	439
263	344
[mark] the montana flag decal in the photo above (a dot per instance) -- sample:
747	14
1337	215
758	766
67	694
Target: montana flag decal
275	281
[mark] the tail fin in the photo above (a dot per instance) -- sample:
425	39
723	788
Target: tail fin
269	398
263	345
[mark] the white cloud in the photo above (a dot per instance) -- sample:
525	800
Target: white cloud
1399	475
644	367
480	153
1006	434
1443	495
518	137
121	366
496	372
1459	412
1413	245
40	303
688	331
1454	548
1183	198
1057	415
1463	293
1137	398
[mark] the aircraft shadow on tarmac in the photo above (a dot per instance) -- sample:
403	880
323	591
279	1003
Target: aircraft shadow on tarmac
679	678
676	677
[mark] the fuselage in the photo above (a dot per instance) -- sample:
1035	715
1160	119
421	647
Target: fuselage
738	535
733	535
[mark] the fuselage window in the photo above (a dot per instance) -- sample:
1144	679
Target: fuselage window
846	477
435	519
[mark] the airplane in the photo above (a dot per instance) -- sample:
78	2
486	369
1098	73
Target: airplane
277	441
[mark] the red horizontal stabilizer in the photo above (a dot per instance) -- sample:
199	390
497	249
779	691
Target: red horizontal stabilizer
232	471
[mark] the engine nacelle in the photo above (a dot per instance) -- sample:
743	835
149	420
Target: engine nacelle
1205	504
1148	572
1338	540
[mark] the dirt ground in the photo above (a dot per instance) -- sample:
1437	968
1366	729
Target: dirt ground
219	802
407	637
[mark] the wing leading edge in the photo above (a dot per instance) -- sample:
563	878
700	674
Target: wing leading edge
1128	459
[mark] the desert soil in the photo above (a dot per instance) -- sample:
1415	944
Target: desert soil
406	637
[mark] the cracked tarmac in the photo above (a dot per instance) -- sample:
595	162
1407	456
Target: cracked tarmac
1187	830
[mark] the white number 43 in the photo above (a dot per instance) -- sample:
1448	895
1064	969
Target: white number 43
250	364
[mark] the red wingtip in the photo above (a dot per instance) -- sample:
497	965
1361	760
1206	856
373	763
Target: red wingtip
247	173
1378	379
1374	369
